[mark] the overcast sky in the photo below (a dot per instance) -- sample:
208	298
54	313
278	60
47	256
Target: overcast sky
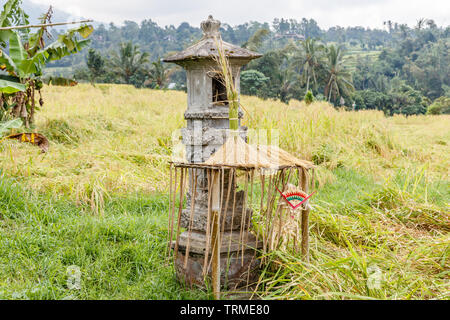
367	13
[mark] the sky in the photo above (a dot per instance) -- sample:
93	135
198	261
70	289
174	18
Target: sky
328	13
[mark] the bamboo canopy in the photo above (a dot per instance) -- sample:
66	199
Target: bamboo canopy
285	159
264	224
235	152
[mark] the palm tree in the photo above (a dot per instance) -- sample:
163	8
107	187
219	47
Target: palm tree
389	25
128	61
310	60
95	63
404	31
338	79
159	73
421	23
431	24
287	80
257	39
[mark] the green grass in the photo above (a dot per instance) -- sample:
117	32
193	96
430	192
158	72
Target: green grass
359	226
120	255
354	226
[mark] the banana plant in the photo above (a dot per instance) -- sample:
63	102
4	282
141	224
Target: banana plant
28	59
11	14
22	66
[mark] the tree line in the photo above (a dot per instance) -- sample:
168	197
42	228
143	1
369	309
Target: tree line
398	69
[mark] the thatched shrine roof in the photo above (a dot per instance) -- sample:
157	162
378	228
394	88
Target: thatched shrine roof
236	153
285	158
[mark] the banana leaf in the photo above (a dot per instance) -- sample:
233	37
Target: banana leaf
20	64
12	14
7	86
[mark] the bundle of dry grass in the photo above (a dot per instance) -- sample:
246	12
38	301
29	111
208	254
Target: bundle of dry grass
284	158
235	152
225	75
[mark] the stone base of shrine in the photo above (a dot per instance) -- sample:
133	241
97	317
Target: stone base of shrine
239	263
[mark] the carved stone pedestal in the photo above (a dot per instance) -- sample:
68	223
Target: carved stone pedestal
237	270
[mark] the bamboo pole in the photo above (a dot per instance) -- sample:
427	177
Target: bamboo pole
44	25
208	224
171	214
232	211
225	211
180	209
305	219
191	216
249	222
216	241
266	215
261	207
243	216
280	179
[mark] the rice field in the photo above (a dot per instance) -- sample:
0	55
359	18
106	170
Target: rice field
98	200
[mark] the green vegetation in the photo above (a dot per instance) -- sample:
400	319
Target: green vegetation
404	75
440	106
338	79
399	70
365	232
309	98
252	81
24	55
121	255
128	63
95	64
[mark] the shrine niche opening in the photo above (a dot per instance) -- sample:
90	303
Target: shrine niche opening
219	92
